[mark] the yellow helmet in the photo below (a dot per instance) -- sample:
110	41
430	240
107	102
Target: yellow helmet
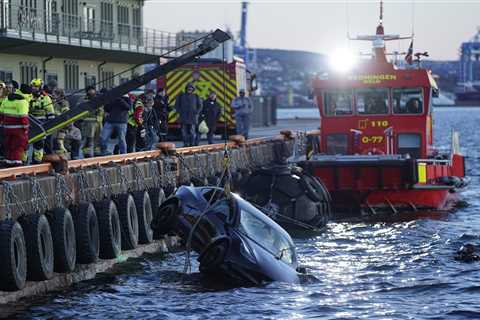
36	83
2	84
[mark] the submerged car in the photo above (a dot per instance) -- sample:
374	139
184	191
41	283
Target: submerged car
234	239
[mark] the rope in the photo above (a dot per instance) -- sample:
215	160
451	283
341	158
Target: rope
62	191
187	266
10	199
39	200
124	185
85	191
106	185
155	173
139	177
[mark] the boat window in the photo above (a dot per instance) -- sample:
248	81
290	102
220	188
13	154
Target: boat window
267	237
337	144
372	101
408	101
409	143
338	102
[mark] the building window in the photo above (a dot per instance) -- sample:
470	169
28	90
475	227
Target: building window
71	20
123	21
51	77
88	19
6	76
28	72
107	79
106	17
137	24
71	75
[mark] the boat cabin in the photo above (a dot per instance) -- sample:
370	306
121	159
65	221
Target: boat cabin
377	109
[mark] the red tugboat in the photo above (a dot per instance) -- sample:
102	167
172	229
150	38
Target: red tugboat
376	150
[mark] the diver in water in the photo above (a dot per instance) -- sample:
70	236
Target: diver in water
466	253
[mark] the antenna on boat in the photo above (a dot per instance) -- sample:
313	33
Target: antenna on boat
381	12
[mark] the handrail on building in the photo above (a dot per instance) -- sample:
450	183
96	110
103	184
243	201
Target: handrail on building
28	23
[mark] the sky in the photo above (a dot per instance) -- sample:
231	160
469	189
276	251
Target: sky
322	26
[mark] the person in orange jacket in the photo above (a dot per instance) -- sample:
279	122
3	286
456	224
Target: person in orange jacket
14	123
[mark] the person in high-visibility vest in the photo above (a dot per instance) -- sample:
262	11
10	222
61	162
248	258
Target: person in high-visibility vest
91	125
61	105
41	107
14	122
135	126
3	94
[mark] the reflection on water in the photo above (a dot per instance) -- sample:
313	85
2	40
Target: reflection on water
401	269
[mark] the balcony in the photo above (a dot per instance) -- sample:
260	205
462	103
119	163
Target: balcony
35	32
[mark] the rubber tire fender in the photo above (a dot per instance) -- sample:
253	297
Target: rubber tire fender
145	216
157	197
64	242
13	255
87	234
308	185
109	229
40	256
214	254
127	212
167	217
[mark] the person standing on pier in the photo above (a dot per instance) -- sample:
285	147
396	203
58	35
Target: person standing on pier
188	106
14	123
243	108
41	107
160	108
90	125
116	118
210	113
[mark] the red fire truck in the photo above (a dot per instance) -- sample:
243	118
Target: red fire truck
225	79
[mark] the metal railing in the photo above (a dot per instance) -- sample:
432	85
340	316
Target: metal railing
32	24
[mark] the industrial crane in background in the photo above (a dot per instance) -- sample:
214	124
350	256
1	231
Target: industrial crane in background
241	48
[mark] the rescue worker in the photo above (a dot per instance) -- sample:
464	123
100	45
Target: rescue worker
91	125
243	108
3	91
188	106
41	107
3	94
135	127
61	105
14	122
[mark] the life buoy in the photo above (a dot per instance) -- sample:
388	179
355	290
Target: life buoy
373	151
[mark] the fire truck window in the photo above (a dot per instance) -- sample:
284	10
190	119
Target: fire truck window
372	101
409	143
408	101
337	144
338	103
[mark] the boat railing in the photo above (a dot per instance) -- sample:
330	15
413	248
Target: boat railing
50	26
435	161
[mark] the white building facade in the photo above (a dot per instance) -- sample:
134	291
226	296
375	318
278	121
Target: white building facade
77	42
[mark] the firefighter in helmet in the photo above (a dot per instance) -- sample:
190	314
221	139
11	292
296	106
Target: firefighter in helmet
41	107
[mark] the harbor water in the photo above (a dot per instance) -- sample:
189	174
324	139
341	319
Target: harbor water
378	270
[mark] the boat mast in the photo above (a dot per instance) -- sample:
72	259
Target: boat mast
379	42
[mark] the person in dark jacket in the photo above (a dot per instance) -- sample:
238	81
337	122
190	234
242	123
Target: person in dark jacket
188	106
210	113
160	108
116	119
